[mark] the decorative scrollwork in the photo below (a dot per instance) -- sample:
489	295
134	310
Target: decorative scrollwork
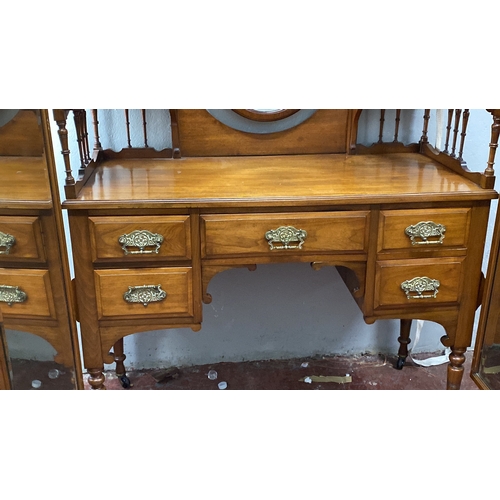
426	230
285	235
144	294
7	241
12	294
416	287
141	239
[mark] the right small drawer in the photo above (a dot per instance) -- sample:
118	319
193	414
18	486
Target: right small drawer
423	229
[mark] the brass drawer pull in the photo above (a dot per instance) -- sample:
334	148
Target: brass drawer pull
144	294
416	287
286	235
7	241
12	294
425	230
141	239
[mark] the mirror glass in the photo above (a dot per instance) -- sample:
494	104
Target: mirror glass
32	366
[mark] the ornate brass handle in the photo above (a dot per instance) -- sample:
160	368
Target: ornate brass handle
144	294
12	294
285	235
7	241
416	287
141	239
426	230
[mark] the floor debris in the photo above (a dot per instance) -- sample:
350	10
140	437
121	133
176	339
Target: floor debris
327	378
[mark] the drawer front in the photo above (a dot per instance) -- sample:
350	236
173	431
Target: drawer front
144	292
26	293
423	229
278	234
418	282
140	238
21	239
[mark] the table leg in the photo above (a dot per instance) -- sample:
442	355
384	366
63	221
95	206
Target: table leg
456	368
404	340
119	357
96	378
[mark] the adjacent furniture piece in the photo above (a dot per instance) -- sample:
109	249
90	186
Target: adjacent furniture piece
35	293
404	224
486	361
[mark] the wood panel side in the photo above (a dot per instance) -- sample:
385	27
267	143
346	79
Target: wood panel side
326	131
86	295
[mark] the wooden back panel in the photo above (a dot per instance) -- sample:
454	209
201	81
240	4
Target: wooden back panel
21	136
326	131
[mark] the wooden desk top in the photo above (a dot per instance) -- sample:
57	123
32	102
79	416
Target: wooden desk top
24	183
305	180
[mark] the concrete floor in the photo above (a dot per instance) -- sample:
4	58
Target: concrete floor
365	372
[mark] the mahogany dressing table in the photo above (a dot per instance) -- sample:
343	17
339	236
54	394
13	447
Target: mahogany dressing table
405	225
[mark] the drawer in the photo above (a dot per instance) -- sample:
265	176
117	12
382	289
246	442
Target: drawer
423	229
287	233
418	282
26	293
140	238
144	292
21	239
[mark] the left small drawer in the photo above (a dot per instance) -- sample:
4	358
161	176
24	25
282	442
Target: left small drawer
21	239
140	238
26	293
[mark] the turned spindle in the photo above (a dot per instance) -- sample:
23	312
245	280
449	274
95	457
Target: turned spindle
95	122
60	118
127	124
144	128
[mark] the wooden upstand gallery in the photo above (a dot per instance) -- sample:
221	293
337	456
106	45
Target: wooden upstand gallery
405	225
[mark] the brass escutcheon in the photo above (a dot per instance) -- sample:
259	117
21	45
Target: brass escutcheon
285	235
426	230
7	241
144	294
12	294
416	287
140	238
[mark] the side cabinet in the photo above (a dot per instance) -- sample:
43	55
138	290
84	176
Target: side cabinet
486	361
35	288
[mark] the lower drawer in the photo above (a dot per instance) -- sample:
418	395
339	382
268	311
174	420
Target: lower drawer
26	293
418	282
160	292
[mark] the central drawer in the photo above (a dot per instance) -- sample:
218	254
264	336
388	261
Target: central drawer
144	292
140	238
285	233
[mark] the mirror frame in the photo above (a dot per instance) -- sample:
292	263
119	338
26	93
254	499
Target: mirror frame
265	116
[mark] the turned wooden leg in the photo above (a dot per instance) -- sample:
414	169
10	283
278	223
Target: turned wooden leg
119	357
96	378
404	340
456	368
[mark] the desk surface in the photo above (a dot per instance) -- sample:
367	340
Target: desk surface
305	180
24	182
